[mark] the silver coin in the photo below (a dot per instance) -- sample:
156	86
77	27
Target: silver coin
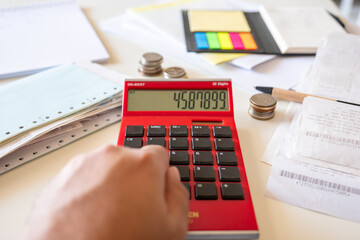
174	72
263	100
157	70
147	68
150	64
261	115
151	57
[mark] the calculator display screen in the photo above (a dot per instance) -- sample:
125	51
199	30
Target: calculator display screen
178	100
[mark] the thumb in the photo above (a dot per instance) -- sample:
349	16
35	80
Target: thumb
177	197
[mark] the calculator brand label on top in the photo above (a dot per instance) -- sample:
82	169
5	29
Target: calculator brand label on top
137	84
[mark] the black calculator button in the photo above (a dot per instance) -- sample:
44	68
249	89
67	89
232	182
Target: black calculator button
178	131
222	131
200	131
184	173
204	174
226	158
155	141
156	131
201	144
178	143
187	186
202	158
205	191
224	144
229	174
232	191
134	131
179	158
133	142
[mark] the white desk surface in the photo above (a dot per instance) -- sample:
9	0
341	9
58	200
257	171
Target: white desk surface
277	221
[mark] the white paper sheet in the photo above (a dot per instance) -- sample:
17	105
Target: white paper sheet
314	187
42	35
251	60
336	70
328	131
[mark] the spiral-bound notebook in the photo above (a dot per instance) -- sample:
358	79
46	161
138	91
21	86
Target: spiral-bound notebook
48	110
35	35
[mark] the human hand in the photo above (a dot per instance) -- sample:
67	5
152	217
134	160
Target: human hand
113	193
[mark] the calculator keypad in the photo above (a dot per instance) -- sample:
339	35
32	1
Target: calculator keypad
200	154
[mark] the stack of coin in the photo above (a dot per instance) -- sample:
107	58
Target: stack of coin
174	72
262	106
150	64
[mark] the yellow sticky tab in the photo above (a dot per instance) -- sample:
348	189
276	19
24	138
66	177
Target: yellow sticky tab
225	41
217	21
248	41
217	58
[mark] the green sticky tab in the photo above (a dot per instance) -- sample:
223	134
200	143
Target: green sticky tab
213	40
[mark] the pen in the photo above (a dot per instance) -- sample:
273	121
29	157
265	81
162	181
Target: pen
290	95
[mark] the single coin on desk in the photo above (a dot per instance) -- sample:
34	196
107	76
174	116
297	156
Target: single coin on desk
174	72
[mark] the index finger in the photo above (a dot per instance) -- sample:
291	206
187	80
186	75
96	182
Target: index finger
158	159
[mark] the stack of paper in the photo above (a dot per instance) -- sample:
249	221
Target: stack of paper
55	103
41	34
316	164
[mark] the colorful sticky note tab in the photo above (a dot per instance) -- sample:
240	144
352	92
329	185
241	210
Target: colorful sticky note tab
236	41
201	40
248	41
213	40
225	41
217	21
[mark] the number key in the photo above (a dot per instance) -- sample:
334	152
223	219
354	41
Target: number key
205	191
179	158
201	144
203	158
178	143
156	141
204	174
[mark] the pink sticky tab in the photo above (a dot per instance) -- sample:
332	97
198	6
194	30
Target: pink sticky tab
236	41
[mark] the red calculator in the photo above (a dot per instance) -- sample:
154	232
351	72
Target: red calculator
194	121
